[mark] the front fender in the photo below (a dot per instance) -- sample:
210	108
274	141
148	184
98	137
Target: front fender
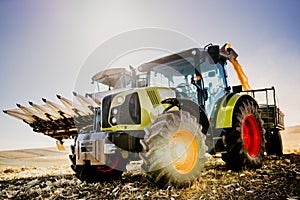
225	109
197	111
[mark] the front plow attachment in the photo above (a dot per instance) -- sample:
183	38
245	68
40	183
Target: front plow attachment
57	121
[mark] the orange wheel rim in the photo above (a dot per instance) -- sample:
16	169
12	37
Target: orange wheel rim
184	151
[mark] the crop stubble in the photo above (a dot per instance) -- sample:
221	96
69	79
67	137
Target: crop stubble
279	178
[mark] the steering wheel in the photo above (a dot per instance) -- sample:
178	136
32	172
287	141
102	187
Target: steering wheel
184	90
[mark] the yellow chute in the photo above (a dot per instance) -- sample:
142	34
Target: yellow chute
227	51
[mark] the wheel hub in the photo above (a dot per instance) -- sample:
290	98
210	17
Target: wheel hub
184	151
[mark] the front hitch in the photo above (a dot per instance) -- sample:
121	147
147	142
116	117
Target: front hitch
93	148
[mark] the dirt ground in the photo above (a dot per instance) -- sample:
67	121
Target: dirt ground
45	174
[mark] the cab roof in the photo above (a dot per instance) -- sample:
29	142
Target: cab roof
181	63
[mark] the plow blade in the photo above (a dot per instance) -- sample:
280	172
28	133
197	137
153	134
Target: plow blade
86	102
31	112
19	114
57	121
58	109
77	110
43	109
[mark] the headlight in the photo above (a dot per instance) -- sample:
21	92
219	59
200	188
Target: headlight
120	100
115	111
114	120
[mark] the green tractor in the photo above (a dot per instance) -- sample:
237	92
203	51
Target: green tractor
169	113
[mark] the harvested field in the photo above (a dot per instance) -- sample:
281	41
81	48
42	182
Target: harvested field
45	174
279	178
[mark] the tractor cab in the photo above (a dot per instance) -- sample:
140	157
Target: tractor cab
192	74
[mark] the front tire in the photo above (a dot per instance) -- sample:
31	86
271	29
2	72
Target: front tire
91	173
245	142
174	149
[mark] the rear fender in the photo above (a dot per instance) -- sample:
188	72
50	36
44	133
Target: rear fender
224	111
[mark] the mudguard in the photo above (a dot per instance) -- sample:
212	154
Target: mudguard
224	109
197	111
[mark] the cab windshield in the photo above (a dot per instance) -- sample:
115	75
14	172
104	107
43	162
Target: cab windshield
177	77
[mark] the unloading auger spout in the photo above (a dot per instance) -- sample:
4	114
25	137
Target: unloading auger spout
229	52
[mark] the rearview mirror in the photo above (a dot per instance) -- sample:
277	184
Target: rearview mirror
214	52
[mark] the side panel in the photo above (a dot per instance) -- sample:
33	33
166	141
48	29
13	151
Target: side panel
225	110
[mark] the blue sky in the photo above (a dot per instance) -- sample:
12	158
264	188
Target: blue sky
45	43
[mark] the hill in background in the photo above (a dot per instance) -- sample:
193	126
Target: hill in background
291	140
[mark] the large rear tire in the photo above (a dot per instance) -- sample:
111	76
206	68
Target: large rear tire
174	149
245	142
